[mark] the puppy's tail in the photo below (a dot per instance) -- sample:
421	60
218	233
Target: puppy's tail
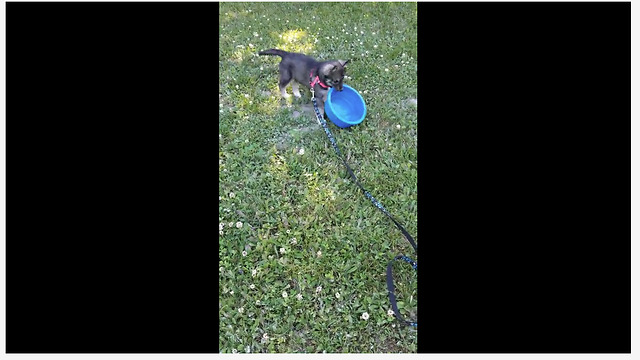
278	52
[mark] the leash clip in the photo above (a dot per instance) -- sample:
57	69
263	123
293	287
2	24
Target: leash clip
313	94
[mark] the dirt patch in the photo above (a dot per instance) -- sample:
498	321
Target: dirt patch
286	139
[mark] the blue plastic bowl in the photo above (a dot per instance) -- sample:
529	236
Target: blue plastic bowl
345	108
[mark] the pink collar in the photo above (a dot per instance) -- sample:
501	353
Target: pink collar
316	81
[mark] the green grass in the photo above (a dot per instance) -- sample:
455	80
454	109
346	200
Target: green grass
279	194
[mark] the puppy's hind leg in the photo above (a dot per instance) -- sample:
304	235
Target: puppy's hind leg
285	79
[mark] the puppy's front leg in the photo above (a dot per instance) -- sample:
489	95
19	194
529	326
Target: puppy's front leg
323	98
321	107
296	90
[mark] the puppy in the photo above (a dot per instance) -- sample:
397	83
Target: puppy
305	70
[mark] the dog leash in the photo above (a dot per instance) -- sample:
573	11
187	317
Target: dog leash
376	203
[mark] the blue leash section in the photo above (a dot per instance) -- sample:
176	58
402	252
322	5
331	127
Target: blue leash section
376	203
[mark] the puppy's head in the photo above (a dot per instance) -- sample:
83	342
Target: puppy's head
333	72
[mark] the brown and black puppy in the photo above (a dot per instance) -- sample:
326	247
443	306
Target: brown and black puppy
299	68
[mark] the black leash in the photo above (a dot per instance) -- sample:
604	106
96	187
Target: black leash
376	203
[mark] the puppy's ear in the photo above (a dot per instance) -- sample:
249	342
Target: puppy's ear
343	63
327	68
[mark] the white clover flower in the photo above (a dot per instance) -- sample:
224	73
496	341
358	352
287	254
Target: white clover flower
294	241
301	152
232	195
230	224
254	272
398	126
221	232
390	312
234	351
257	302
284	294
288	231
239	224
231	292
240	310
220	226
247	349
319	253
221	269
365	316
265	336
244	253
252	286
318	289
337	295
282	251
299	296
375	46
386	69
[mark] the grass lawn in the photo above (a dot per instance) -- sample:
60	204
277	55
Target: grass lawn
303	253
